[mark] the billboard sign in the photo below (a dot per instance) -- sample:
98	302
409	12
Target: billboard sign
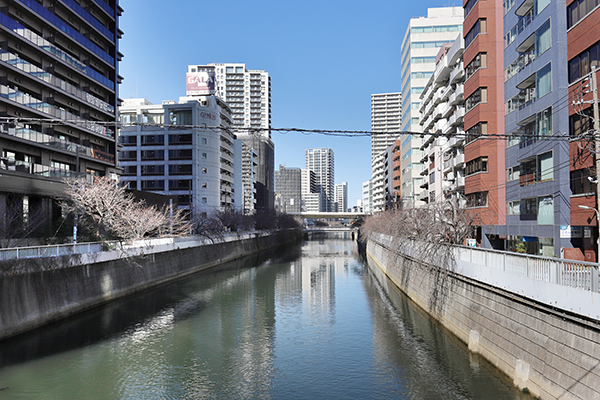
200	83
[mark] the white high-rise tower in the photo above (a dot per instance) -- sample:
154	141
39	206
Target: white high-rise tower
320	161
248	94
422	41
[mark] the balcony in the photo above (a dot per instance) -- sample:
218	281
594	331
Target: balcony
457	96
457	74
446	110
39	73
27	100
459	160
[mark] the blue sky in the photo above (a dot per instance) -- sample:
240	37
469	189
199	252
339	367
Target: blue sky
325	59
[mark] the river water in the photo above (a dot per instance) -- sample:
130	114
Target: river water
306	322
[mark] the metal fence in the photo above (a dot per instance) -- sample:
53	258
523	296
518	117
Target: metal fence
578	274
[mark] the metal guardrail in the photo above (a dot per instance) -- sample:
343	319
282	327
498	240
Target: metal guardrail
49	251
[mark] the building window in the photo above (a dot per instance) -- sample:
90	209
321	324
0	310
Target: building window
180	154
579	9
480	27
204	155
476	131
538	169
580	182
153	155
514	173
204	140
181	117
478	96
479	61
204	185
204	171
583	63
480	164
469	6
545	214
477	199
153	169
581	123
153	140
204	200
513	207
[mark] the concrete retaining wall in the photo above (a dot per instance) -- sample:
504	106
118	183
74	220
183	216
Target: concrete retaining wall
552	353
46	289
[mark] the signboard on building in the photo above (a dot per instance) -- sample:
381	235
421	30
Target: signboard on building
568	231
200	83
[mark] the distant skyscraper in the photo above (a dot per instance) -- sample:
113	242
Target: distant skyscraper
422	41
248	93
288	184
321	162
386	117
341	196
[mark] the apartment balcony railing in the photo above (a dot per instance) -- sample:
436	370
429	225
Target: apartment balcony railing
27	100
523	22
519	64
25	66
521	100
42	43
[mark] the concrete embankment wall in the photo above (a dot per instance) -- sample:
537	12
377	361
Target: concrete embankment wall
552	353
34	292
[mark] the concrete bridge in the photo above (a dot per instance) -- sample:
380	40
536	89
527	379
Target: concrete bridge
328	215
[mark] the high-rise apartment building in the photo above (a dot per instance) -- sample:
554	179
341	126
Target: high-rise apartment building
59	62
194	164
288	188
386	117
423	38
248	94
320	161
341	196
311	197
583	53
442	113
535	93
483	60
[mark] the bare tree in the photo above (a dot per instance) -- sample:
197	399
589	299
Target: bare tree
110	212
426	237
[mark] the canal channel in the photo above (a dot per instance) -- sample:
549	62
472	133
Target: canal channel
305	322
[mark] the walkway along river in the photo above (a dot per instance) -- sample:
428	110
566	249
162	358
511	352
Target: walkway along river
310	321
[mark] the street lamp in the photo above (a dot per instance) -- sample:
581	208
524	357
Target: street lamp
598	223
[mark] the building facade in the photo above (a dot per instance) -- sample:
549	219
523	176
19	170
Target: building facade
442	112
386	117
537	188
194	163
583	55
341	196
421	43
60	63
321	162
248	94
288	189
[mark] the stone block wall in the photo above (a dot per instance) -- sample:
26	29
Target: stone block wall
552	353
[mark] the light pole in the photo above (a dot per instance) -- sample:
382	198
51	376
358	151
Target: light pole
598	224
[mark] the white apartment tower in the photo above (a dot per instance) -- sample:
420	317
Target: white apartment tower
422	41
320	161
248	94
341	196
386	118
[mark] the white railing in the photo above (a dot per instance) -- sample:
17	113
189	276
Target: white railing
572	273
577	274
57	250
